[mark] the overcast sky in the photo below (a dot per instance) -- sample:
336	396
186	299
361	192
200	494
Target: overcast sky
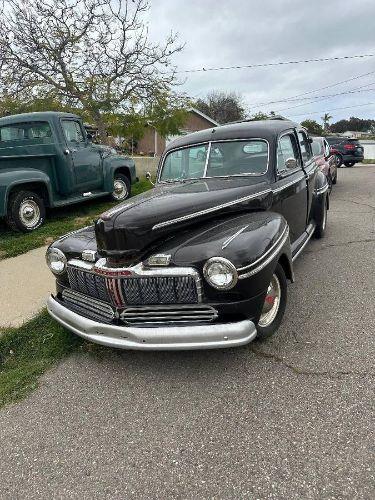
240	32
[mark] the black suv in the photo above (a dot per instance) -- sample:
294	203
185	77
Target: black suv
347	151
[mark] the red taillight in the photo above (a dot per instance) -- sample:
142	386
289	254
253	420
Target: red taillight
349	147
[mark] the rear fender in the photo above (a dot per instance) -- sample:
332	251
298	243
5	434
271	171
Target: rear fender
11	179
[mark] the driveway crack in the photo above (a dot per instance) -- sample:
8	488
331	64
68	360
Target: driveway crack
342	244
331	374
357	203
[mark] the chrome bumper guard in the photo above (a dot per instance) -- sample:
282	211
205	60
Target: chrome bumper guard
210	336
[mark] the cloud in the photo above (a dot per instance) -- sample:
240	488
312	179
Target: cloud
240	32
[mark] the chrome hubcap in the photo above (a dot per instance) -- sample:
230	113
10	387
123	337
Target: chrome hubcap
120	190
271	303
29	213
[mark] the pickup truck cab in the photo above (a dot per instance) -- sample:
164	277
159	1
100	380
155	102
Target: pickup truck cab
47	160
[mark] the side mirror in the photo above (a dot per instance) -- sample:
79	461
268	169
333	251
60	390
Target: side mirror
149	178
291	163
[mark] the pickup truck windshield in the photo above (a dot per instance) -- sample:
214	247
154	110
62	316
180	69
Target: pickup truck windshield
216	159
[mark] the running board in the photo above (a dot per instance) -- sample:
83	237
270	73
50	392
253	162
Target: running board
309	231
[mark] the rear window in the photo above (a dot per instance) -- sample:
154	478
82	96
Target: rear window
25	132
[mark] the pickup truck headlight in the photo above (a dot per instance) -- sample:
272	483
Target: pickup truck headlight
56	260
220	273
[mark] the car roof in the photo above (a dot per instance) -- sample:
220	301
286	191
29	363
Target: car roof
263	129
35	117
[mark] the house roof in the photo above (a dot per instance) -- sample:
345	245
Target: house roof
202	115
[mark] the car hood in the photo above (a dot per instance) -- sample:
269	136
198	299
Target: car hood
136	225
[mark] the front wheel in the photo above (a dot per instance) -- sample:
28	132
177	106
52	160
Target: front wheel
121	188
349	163
274	305
26	211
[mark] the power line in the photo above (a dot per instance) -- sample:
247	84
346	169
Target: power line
329	96
280	63
295	97
335	109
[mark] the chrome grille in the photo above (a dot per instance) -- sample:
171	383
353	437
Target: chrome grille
91	308
138	290
88	283
152	315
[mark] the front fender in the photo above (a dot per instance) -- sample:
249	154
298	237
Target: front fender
11	178
253	242
113	163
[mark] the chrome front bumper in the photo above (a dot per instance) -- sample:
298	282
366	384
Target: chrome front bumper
166	338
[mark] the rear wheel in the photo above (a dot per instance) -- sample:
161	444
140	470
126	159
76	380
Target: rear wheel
274	305
349	163
339	160
121	188
26	211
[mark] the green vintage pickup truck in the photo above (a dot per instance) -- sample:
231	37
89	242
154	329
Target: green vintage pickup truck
47	160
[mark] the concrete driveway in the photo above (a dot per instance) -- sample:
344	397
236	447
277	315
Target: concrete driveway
291	418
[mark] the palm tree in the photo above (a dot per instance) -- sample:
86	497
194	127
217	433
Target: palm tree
326	119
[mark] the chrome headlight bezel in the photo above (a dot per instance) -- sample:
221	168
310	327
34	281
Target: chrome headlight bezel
56	253
231	269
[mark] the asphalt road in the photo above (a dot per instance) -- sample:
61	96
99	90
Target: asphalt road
291	418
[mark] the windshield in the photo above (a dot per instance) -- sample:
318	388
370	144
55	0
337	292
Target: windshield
216	159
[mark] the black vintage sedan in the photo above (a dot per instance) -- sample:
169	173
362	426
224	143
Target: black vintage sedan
203	259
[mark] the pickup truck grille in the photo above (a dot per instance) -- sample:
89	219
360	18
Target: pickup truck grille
142	290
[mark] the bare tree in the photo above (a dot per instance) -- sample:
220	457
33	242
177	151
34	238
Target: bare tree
92	53
222	106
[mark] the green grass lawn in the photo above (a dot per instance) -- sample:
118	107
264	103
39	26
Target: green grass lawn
28	351
59	221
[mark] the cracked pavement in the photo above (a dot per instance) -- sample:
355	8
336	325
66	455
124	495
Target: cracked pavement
289	418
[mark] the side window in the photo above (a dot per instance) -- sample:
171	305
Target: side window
287	153
73	131
305	146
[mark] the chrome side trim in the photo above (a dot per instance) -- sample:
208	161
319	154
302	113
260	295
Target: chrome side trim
210	210
281	188
276	244
322	189
268	260
231	238
304	243
166	338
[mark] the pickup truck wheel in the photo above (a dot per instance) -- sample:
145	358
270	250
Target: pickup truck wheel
121	188
274	305
26	211
349	163
321	225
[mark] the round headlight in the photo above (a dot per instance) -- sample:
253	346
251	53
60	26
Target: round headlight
220	273
56	260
